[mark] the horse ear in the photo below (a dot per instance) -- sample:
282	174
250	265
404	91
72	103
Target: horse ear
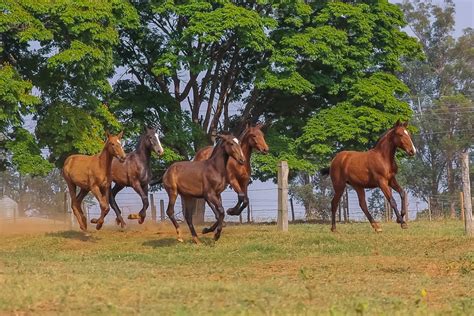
120	135
405	124
107	134
397	123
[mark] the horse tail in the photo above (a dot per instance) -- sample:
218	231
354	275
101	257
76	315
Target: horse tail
156	181
325	171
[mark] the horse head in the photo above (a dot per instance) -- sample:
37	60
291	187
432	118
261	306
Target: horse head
232	147
114	146
256	138
402	138
152	140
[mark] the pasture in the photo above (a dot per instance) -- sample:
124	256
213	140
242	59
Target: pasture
252	269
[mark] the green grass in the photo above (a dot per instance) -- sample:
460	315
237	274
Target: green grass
427	269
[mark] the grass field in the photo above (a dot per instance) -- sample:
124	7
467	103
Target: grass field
427	269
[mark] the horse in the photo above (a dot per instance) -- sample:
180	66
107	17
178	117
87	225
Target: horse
370	169
92	173
202	179
238	176
135	172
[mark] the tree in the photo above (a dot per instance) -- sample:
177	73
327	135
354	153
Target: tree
440	89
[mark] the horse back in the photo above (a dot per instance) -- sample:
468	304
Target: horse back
357	168
203	153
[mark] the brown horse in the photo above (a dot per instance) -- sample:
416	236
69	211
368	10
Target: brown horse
371	169
92	173
135	172
202	179
238	175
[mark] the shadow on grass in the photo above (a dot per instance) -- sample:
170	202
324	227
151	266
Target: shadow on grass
159	243
169	242
72	234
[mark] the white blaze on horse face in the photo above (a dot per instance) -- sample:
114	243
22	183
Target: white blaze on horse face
412	145
235	140
158	141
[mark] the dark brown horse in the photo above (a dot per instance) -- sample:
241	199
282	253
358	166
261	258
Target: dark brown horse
135	172
202	179
238	175
371	169
92	173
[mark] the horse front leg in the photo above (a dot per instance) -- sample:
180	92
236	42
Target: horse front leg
241	195
388	195
363	205
113	203
102	195
403	196
214	201
143	192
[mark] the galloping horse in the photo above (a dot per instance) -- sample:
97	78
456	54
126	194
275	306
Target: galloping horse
238	175
92	173
371	169
202	179
135	172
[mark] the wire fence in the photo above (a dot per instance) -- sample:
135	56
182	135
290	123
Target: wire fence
262	208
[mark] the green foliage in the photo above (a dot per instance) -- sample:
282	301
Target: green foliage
26	155
65	129
15	98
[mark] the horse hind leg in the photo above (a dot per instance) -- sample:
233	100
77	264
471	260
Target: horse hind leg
76	208
338	191
172	195
188	215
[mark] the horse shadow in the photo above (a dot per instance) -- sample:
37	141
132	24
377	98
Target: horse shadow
73	234
170	242
160	243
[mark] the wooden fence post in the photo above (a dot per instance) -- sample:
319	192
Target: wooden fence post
248	213
466	188
282	222
162	210
429	208
153	207
292	210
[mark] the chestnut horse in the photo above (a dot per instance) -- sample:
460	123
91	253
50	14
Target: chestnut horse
370	169
135	172
92	173
202	179
238	176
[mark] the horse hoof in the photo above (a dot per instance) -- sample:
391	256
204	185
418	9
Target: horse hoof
206	230
196	241
133	216
99	226
333	229
217	236
94	220
404	225
231	212
141	220
180	239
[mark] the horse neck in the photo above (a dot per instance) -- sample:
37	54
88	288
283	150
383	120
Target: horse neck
387	148
105	161
246	149
219	159
143	151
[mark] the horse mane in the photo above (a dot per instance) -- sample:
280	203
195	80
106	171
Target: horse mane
383	136
141	139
